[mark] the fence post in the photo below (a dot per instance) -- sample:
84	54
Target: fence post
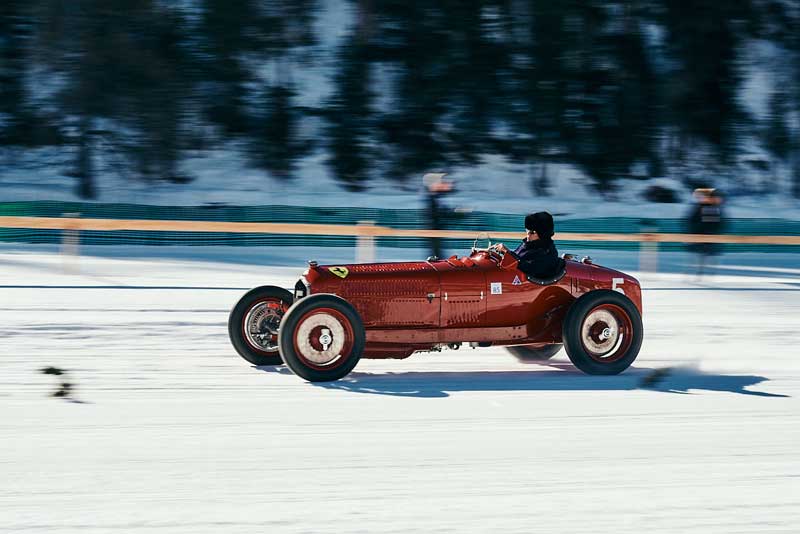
365	244
70	245
648	250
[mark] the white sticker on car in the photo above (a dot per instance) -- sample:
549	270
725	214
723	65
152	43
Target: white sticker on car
616	284
497	288
516	281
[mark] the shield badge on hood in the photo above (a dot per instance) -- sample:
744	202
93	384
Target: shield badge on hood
341	272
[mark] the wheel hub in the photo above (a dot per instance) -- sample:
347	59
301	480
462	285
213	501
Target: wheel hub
261	325
320	339
600	333
325	338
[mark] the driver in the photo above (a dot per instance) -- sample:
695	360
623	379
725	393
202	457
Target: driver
537	253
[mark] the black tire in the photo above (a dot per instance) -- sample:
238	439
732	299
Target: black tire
321	338
525	353
603	332
246	341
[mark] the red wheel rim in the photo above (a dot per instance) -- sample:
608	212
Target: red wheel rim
323	339
260	324
606	333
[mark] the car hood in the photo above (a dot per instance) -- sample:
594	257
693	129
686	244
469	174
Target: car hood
337	278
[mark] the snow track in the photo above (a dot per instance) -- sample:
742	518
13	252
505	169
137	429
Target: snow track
171	431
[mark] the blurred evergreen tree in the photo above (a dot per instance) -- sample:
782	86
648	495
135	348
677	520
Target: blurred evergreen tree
226	35
158	93
792	39
610	92
414	39
16	117
274	147
281	30
247	83
538	102
418	85
777	135
704	37
639	104
477	86
587	90
350	130
123	87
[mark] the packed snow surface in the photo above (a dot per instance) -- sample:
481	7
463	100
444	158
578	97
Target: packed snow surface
168	430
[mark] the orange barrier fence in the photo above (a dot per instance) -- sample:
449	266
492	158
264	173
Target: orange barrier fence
68	223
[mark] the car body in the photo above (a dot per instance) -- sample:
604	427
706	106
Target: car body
483	299
412	306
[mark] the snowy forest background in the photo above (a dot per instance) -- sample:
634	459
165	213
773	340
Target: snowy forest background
370	94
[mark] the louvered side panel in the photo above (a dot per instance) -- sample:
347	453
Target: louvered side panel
461	312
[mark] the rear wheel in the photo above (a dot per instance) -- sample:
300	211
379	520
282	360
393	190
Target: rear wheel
254	321
525	353
603	333
321	338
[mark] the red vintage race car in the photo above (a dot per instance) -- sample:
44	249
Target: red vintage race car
339	314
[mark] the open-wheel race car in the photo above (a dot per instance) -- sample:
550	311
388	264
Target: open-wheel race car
339	314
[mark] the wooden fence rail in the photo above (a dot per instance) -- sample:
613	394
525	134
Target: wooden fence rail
71	223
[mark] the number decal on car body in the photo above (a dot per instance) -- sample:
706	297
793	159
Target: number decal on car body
616	283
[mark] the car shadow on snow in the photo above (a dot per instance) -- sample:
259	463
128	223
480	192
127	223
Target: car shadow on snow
558	377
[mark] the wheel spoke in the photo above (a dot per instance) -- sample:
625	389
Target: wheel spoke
261	324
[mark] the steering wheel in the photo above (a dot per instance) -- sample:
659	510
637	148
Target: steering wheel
495	252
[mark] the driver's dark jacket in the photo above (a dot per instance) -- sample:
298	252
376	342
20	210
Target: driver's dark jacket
538	258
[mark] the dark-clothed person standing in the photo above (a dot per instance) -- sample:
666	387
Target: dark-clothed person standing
435	188
706	217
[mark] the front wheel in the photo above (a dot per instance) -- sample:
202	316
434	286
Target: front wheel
603	333
321	338
254	321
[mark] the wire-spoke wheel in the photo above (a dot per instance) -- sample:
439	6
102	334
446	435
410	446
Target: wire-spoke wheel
603	333
321	338
254	322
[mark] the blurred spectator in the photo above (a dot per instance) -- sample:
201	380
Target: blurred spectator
705	218
436	187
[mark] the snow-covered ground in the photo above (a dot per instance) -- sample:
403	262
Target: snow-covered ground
173	432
